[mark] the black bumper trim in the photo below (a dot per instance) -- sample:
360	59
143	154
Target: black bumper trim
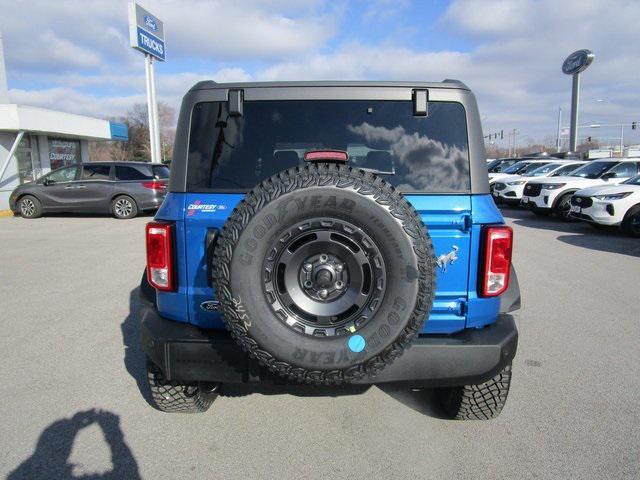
188	354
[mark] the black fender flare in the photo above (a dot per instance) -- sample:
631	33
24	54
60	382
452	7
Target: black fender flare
510	300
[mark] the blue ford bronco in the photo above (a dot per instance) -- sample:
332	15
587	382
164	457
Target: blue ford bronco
329	233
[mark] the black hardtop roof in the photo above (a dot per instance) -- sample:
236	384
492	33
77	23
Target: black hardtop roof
448	83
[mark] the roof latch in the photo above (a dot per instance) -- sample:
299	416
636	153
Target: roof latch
420	103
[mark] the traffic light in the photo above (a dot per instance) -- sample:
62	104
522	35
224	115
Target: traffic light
589	139
634	125
502	134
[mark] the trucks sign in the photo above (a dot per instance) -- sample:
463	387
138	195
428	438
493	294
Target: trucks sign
146	32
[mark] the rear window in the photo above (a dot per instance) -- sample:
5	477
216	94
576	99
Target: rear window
160	172
133	172
415	154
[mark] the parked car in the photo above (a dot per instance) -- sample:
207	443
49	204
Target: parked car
610	205
324	271
499	164
120	188
521	168
509	190
553	195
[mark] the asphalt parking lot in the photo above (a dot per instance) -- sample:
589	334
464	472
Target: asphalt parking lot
72	372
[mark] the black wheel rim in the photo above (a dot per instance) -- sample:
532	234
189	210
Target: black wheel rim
324	277
565	209
634	224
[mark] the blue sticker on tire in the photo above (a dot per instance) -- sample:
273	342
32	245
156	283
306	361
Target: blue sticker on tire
356	343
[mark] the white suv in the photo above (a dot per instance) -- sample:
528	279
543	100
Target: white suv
610	205
553	195
509	189
520	168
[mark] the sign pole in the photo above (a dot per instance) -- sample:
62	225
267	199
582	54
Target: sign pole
146	34
575	99
155	139
150	107
573	65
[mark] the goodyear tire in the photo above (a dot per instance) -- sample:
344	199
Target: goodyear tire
477	402
324	273
171	397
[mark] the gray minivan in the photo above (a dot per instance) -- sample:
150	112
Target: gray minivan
120	188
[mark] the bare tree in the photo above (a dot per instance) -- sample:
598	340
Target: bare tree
138	146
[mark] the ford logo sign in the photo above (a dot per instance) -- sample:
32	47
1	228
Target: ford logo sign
150	22
577	62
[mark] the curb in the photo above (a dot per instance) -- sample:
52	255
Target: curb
6	213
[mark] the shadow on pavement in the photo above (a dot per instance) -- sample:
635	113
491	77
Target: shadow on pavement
50	460
579	234
134	358
422	401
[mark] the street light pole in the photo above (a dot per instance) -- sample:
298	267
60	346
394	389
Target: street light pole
622	140
559	123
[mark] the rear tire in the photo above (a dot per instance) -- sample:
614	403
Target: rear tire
171	397
124	207
30	207
631	223
477	402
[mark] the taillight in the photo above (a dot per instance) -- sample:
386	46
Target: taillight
498	242
154	185
159	239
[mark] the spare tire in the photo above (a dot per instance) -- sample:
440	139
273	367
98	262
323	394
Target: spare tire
324	273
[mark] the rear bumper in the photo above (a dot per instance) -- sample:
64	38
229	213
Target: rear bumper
189	354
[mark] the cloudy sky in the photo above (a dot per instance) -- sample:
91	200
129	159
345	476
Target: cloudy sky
73	55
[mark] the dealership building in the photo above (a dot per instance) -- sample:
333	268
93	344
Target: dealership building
34	141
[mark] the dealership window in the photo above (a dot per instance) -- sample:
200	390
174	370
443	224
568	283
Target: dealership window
28	160
63	151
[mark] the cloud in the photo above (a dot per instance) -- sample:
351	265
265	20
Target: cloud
424	163
508	52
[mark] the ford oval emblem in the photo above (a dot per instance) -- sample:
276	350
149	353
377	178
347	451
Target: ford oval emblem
577	62
210	306
150	22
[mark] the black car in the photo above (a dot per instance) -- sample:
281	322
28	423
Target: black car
120	188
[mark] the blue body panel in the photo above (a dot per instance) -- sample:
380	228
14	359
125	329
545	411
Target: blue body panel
452	220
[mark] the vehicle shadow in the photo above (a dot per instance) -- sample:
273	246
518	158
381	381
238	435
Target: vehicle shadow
579	234
50	460
422	401
134	358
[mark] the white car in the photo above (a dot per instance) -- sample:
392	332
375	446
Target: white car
610	205
520	168
553	195
509	189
